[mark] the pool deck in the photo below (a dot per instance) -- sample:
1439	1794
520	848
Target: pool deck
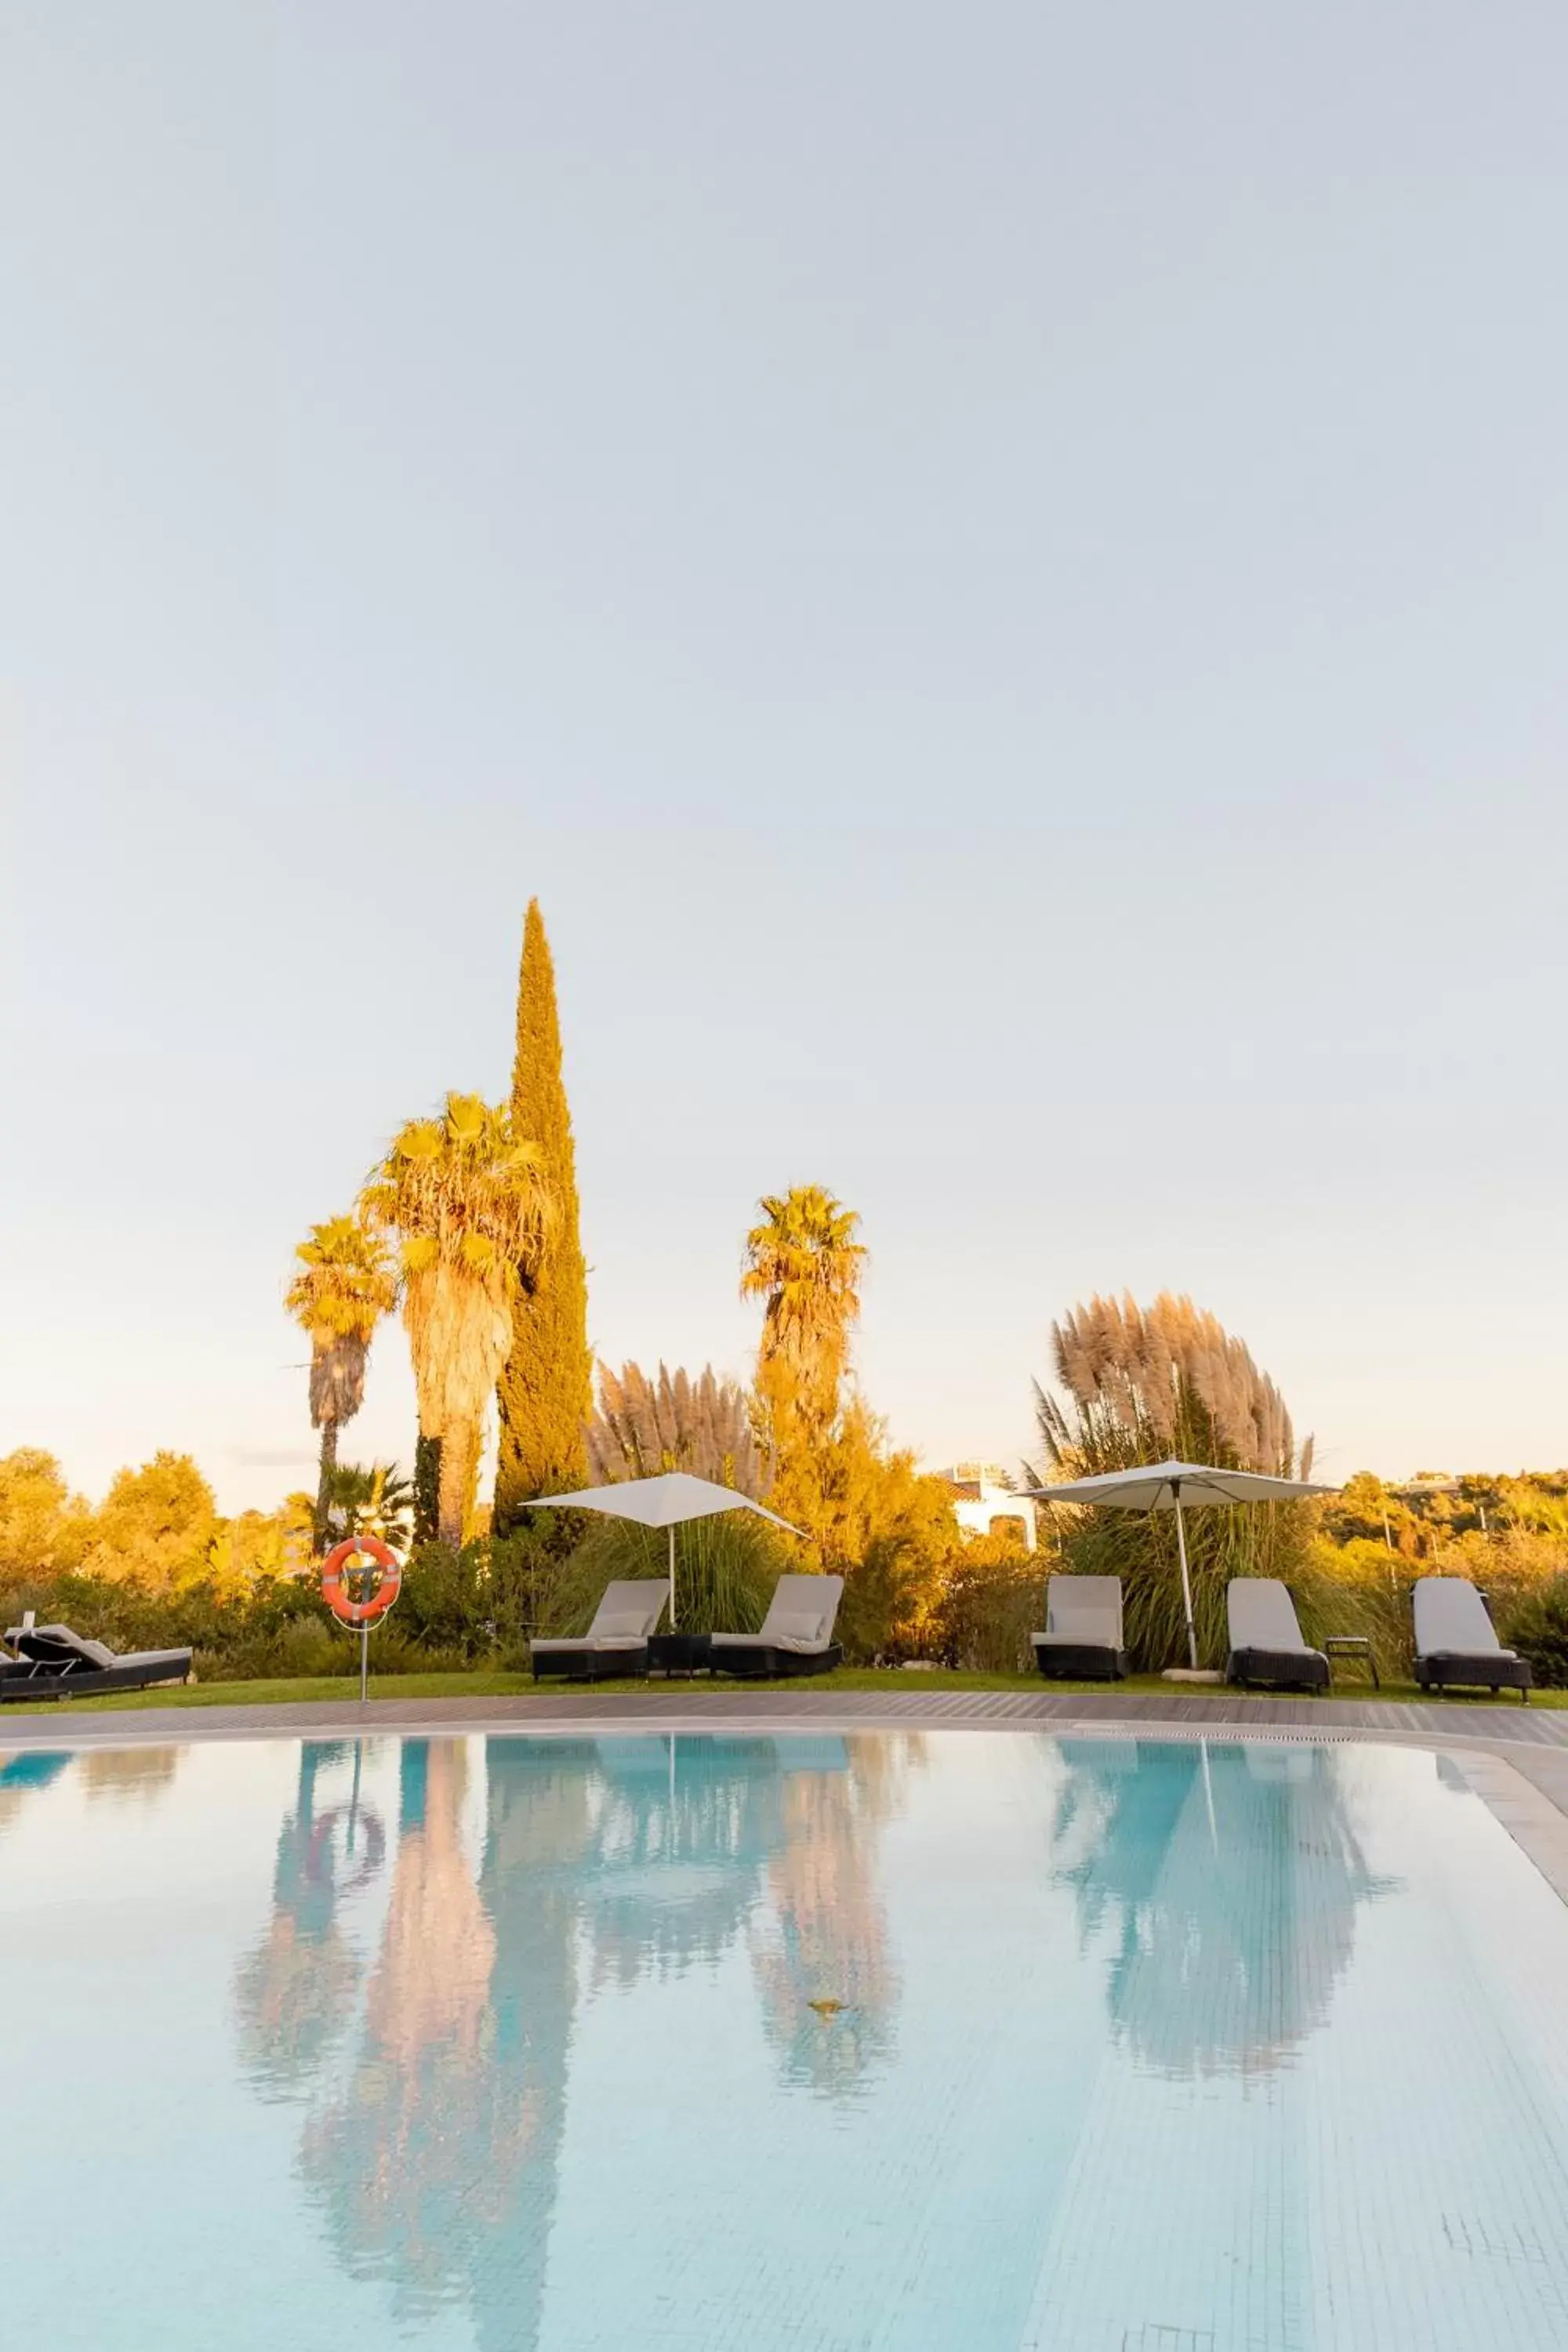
1516	1758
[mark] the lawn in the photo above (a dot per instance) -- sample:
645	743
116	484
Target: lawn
392	1689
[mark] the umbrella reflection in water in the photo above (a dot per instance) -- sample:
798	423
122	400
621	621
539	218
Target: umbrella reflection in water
1226	1930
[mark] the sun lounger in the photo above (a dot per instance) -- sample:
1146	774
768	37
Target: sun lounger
1083	1637
616	1641
796	1637
1456	1645
51	1662
1265	1644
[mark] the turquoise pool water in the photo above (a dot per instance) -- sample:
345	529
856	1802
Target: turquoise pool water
975	2040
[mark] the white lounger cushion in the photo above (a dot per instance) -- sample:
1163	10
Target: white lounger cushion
595	1641
1451	1621
1082	1612
803	1646
1261	1615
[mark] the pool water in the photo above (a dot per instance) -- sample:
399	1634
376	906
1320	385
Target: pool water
975	2040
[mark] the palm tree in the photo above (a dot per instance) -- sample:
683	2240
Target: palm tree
468	1204
377	1501
804	1262
347	1282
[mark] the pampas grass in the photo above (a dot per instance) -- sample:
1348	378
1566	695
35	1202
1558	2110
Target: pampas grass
643	1428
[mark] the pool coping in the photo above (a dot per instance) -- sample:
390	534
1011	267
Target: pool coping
1522	1782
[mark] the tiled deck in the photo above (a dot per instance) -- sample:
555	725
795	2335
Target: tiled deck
693	1706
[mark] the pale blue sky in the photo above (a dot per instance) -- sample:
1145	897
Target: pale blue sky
1000	570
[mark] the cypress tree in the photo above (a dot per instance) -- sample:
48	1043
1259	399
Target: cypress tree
545	1394
427	1488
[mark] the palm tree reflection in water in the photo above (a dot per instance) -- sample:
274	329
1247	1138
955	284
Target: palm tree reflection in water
435	2153
416	2151
1223	1883
819	1954
296	1993
435	2160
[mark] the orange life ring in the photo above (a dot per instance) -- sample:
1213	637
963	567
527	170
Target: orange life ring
334	1587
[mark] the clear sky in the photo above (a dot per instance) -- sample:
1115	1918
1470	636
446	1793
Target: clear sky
1001	572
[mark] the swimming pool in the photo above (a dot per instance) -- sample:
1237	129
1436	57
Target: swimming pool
969	2040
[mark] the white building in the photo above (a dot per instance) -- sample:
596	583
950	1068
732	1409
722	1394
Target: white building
985	1501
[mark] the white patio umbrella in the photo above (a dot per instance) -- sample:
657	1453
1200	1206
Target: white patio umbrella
1166	1486
666	1502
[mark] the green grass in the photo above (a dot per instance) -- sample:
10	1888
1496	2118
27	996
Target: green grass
391	1689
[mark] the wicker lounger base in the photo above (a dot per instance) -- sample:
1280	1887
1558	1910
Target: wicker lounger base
587	1666
1446	1670
1081	1661
87	1684
1292	1669
769	1665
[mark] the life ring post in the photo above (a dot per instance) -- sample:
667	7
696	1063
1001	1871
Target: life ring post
351	1558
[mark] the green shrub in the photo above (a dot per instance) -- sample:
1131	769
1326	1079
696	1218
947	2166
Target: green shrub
1536	1627
880	1618
993	1599
447	1602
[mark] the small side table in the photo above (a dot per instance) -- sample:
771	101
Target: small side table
1352	1645
679	1653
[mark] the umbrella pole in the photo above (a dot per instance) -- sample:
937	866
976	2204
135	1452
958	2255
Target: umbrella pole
672	1576
1186	1580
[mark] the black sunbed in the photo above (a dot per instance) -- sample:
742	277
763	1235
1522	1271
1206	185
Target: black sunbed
1083	1637
615	1644
51	1662
796	1636
1265	1644
1456	1645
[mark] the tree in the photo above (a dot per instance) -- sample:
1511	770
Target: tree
260	1547
375	1500
156	1526
546	1391
347	1282
884	1525
470	1206
43	1525
642	1428
804	1264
